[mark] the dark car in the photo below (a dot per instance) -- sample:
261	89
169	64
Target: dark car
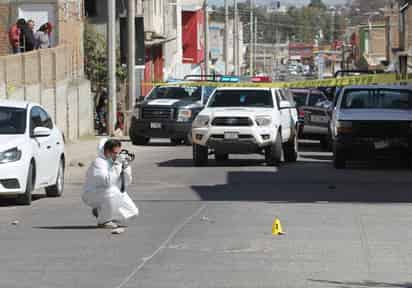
314	115
168	112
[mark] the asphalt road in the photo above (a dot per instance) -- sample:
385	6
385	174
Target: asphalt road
211	227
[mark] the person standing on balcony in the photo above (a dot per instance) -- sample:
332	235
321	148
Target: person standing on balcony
42	37
27	41
14	35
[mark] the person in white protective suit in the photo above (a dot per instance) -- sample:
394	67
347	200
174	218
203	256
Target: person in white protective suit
102	189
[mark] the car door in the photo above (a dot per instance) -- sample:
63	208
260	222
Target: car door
285	116
42	147
316	113
55	142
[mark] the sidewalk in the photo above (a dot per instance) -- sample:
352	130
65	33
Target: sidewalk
82	151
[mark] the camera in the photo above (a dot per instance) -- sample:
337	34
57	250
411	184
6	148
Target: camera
125	157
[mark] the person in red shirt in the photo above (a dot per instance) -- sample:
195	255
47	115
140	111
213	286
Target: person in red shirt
14	35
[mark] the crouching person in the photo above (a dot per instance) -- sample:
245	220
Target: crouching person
105	180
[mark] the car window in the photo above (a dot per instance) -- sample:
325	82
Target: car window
166	92
242	98
377	99
300	97
12	120
40	118
207	92
316	97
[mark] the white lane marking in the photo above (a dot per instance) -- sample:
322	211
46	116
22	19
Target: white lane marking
162	246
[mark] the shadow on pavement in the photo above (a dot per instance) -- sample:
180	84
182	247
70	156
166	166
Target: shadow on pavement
9	201
73	227
363	284
213	163
311	182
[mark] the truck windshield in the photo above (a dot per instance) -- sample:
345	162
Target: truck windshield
242	98
377	99
12	121
166	92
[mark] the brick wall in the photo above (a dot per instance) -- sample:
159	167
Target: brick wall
4	27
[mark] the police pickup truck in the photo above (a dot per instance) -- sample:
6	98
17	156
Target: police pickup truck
168	112
246	121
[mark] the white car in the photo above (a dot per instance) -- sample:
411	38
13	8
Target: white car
31	151
246	121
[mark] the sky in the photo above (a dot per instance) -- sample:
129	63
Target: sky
284	2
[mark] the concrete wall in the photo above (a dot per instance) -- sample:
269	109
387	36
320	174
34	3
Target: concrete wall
68	103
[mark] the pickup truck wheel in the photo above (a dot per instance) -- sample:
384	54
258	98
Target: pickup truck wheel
221	157
339	161
139	140
291	149
273	153
200	155
326	144
176	141
188	140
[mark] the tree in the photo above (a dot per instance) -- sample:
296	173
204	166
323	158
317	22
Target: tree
317	4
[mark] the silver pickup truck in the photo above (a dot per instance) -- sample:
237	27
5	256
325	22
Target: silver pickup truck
372	121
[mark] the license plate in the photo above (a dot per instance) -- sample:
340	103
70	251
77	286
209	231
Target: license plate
381	144
154	125
319	119
231	135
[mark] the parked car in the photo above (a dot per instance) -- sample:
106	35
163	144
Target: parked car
245	121
168	112
31	151
372	121
314	115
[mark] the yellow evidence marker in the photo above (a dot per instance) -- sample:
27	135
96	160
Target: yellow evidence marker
277	227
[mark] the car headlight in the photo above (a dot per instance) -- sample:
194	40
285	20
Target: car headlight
136	113
11	155
343	127
184	115
201	121
263	120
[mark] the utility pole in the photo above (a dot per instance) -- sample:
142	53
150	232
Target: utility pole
111	59
226	45
235	39
206	31
251	68
131	30
255	40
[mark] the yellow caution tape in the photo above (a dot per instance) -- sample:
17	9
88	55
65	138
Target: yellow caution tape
370	79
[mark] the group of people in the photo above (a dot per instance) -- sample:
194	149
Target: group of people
23	38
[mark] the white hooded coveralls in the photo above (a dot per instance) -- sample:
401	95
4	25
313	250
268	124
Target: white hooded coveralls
102	190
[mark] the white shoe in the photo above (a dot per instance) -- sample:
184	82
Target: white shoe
108	225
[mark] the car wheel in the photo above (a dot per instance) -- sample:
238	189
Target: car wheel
273	153
221	157
176	141
56	190
188	139
200	155
25	199
339	161
139	140
291	149
326	144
